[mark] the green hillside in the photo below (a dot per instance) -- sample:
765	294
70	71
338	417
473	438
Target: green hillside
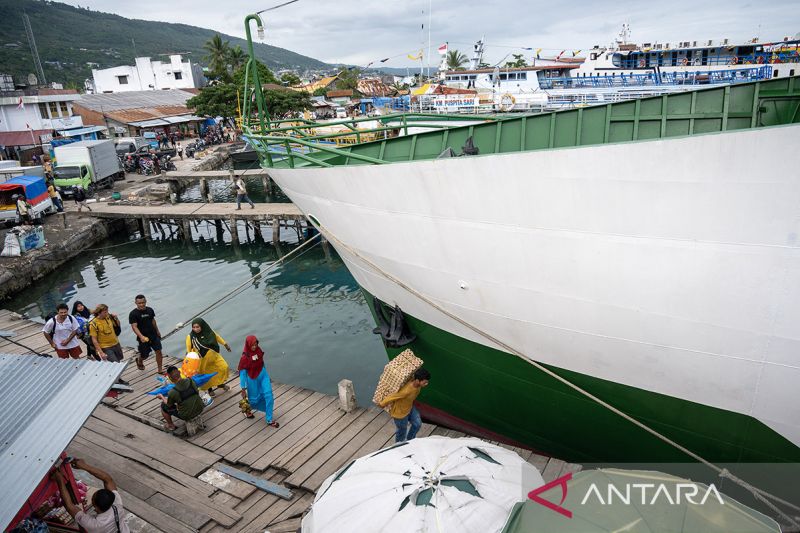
69	37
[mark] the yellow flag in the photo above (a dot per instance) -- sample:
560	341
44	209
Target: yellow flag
576	52
415	57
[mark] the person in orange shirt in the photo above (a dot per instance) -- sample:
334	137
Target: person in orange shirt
402	409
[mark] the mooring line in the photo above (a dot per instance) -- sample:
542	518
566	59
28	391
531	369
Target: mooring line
759	494
291	256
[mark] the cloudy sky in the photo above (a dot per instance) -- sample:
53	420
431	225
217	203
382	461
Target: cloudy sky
360	31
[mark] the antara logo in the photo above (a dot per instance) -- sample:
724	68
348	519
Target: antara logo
624	494
661	494
560	482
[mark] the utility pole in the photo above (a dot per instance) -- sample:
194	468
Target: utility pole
34	52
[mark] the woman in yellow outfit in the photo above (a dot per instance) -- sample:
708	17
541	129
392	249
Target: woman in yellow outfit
205	342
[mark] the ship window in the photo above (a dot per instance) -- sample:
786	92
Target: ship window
522	75
593	56
791	72
178	75
775	73
123	80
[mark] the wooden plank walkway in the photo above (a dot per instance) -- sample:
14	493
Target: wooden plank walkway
171	482
199	211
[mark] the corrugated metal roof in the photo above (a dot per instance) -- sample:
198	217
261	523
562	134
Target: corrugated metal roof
153	122
80	131
106	102
46	401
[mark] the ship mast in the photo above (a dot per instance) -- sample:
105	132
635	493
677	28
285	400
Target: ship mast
477	54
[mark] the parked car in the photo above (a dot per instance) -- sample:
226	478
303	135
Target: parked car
126	145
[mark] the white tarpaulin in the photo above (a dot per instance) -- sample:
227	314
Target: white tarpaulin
429	484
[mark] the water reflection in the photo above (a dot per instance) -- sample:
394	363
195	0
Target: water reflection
310	313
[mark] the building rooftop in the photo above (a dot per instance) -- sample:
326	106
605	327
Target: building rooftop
46	401
106	102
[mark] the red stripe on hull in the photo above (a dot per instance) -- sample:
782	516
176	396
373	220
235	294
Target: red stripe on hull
442	418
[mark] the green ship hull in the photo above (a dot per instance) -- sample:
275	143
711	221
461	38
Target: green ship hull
479	387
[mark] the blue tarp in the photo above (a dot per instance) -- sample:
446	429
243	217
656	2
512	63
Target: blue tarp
397	103
34	186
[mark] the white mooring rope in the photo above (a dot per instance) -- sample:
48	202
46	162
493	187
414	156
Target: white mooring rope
759	494
239	288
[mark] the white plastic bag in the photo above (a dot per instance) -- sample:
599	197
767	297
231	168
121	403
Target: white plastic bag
11	246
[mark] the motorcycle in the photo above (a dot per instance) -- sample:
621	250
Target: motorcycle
146	166
130	164
165	162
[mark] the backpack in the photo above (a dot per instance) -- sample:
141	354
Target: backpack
51	318
83	324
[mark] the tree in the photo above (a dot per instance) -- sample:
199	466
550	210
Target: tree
287	102
398	86
290	78
217	100
455	60
236	58
217	54
519	61
320	91
264	74
347	79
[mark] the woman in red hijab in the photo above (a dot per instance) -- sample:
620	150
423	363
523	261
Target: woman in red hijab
255	382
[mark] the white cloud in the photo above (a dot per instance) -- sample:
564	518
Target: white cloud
357	32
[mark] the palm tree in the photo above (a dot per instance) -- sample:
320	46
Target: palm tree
217	56
455	60
236	58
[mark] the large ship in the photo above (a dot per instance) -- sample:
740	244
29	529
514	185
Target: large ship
646	252
620	71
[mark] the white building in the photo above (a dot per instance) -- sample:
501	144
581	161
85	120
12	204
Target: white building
29	117
149	75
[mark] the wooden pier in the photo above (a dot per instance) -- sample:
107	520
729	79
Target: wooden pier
185	215
175	483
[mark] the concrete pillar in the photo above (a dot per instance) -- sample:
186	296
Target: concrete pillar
234	230
204	193
144	227
276	231
186	224
326	248
347	396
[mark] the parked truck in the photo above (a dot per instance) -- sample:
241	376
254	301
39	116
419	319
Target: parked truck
92	164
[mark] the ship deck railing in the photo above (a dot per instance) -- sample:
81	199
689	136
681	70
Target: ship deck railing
675	58
706	77
715	109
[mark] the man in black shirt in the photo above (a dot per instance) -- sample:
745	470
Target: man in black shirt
144	326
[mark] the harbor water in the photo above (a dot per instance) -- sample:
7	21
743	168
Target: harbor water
309	314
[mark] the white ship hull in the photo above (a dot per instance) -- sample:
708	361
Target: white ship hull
671	266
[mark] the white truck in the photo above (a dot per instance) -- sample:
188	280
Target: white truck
92	164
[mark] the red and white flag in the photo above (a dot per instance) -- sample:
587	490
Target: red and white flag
20	103
443	49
